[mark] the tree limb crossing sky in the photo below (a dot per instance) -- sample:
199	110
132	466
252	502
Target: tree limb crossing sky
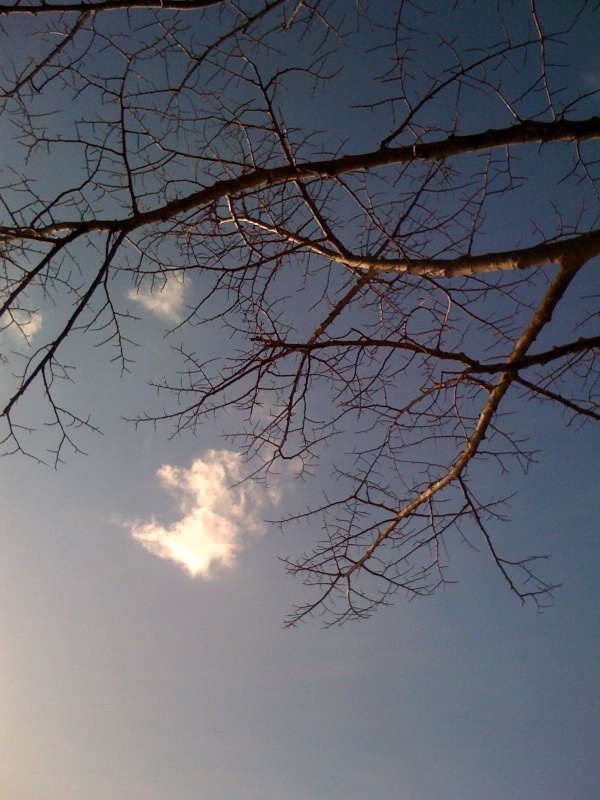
312	285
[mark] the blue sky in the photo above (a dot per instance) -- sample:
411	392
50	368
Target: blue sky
143	655
121	676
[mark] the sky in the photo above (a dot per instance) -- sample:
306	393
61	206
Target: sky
142	650
124	677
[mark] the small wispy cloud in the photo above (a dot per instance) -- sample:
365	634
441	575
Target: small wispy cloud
165	299
24	325
218	514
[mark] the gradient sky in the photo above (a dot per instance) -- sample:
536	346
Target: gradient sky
142	653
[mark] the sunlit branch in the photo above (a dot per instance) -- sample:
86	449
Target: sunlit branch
541	316
525	133
360	286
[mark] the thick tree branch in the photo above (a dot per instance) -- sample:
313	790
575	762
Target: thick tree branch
377	296
539	319
451	146
581	345
103	5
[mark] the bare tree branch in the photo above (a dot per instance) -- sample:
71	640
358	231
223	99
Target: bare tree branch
390	260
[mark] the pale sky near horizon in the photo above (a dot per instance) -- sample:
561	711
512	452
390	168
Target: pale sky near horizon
142	652
123	677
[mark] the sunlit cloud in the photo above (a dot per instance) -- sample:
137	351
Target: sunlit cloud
24	325
165	298
219	514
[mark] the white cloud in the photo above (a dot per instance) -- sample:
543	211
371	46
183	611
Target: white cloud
218	514
163	298
25	324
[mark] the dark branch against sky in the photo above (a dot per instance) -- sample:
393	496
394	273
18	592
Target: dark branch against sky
353	248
